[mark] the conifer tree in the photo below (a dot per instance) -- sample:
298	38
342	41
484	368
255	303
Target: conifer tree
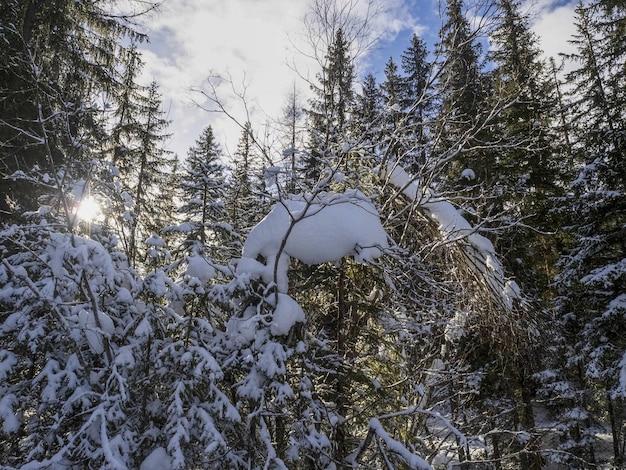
531	156
330	110
393	94
591	301
57	59
525	181
392	88
244	201
368	112
427	351
461	107
150	209
466	140
335	296
203	188
293	136
417	102
130	105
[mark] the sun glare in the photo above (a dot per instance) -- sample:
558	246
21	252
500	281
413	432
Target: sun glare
88	210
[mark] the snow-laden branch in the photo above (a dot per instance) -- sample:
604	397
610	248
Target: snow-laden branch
387	444
396	447
454	228
315	230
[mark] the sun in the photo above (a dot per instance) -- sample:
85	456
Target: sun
88	210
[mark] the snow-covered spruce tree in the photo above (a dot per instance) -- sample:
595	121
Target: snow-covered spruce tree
88	350
66	301
172	355
147	180
244	199
203	191
591	305
63	295
99	367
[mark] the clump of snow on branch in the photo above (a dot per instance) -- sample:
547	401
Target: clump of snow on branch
199	267
455	228
157	460
155	240
94	329
313	229
287	312
412	460
468	174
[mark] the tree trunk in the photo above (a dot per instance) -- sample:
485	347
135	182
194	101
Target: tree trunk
341	400
531	459
616	424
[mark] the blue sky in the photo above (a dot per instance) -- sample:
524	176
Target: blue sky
259	43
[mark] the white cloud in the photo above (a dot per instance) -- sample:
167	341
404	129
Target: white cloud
553	23
394	25
191	39
257	43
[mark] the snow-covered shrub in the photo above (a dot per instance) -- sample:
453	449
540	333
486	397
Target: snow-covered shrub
66	308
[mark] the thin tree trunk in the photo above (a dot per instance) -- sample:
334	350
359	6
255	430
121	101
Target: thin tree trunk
341	400
616	421
531	459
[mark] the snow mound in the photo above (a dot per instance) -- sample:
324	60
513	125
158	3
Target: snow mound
314	230
157	460
200	268
287	313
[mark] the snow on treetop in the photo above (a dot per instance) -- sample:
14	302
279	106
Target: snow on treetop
313	229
